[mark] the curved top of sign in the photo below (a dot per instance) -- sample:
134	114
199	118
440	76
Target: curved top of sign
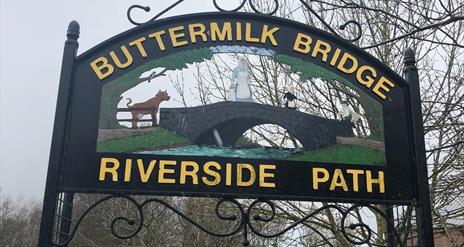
205	30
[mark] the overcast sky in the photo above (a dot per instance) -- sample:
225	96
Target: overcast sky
31	45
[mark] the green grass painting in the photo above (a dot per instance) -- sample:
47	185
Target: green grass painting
343	154
158	138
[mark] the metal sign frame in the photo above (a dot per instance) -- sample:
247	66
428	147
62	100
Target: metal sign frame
73	160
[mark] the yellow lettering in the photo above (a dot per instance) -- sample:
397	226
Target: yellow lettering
323	48
112	170
379	181
221	34
269	34
302	40
99	65
197	29
248	37
214	174
343	63
145	174
138	44
384	84
335	56
118	62
338	180
175	36
368	80
228	174
240	181
317	179
128	170
164	170
184	172
238	28
263	175
159	40
355	174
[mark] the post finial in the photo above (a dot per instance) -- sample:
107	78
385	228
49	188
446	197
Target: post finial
73	31
409	57
409	60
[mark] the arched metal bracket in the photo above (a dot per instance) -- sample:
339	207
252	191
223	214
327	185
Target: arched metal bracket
242	219
255	8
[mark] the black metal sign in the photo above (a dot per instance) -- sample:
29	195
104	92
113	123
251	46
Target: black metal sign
195	151
89	167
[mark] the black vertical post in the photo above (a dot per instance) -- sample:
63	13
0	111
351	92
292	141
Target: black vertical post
59	136
423	209
64	217
391	241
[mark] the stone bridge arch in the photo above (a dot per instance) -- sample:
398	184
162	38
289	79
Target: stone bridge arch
232	119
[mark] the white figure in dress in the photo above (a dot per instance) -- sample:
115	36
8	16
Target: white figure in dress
241	78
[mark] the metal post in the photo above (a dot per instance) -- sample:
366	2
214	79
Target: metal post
59	136
423	209
64	217
391	241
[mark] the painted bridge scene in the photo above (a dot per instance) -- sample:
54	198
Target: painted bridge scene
237	124
224	123
219	129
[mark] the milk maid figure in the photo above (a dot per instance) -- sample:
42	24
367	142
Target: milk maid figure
240	89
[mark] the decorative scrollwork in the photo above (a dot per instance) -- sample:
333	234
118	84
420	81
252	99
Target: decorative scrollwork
136	6
353	239
353	226
342	27
147	9
258	218
252	5
218	7
255	8
242	3
366	239
113	222
358	26
245	220
240	218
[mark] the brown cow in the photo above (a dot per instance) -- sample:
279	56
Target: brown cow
149	107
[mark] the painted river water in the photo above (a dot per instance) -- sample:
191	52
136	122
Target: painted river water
252	153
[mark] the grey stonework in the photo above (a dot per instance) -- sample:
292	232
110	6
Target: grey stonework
232	119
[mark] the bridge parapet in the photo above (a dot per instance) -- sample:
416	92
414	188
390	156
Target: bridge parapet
232	119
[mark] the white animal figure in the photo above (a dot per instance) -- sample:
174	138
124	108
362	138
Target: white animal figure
346	111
